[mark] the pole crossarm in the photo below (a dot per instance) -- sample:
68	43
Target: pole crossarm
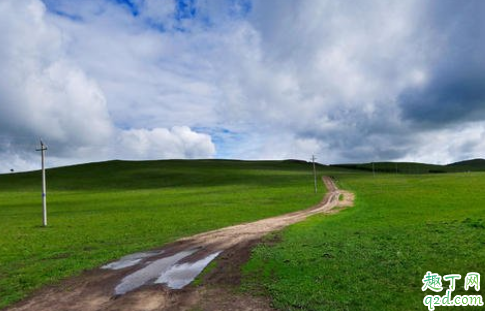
43	147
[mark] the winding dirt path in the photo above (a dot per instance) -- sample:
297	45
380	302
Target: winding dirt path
100	289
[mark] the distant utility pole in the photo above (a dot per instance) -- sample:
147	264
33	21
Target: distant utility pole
314	173
373	169
42	149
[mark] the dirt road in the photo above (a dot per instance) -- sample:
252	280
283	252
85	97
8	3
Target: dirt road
146	281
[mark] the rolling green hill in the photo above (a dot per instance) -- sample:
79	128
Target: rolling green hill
479	164
476	165
127	175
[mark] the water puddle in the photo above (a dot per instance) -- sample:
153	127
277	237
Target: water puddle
181	275
130	260
150	272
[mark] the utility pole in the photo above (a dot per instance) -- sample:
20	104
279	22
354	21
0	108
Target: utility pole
373	170
42	149
314	173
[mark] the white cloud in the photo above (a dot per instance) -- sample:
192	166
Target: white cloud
159	143
45	92
41	92
464	141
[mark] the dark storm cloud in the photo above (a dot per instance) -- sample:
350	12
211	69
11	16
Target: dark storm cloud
455	90
358	136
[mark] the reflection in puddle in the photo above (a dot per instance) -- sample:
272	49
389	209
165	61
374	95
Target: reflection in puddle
149	272
180	275
130	260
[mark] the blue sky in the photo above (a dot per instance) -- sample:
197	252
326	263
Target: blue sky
263	79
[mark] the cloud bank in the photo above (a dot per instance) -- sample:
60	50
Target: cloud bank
147	79
46	93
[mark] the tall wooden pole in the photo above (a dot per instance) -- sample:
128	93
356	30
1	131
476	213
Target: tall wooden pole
42	150
314	173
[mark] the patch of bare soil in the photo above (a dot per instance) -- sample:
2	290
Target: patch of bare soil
95	289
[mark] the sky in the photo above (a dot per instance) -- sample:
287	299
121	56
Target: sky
348	81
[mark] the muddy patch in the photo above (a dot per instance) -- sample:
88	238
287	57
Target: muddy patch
150	272
180	275
130	260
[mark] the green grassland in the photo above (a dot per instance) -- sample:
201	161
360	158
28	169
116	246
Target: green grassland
369	257
373	256
101	211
